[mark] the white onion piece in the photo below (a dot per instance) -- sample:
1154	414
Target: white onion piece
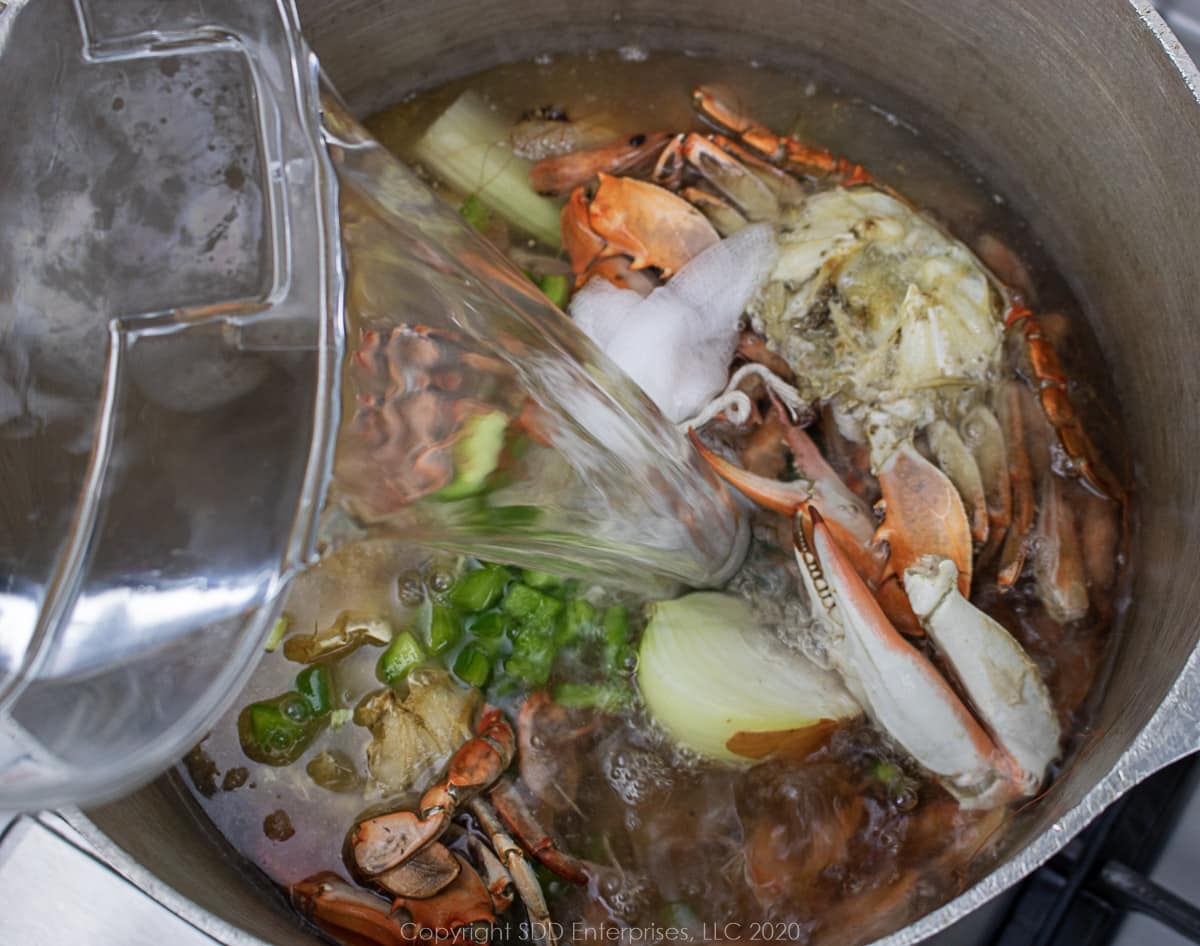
708	671
677	342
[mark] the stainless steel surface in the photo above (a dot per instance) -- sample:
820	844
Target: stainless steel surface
54	890
1087	119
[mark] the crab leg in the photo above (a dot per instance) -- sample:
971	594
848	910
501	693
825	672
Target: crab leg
1100	531
512	809
1058	564
732	178
512	857
1020	477
338	908
923	514
900	688
955	460
563	173
982	434
725	217
388	840
853	526
1003	683
498	880
712	103
1046	372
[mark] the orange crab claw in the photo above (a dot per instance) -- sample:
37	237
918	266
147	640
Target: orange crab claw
429	872
562	173
465	902
383	842
924	515
584	245
344	911
943	735
842	515
649	223
773	494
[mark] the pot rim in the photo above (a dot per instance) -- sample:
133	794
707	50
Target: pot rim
1172	733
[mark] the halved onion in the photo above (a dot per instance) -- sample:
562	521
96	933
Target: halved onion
711	676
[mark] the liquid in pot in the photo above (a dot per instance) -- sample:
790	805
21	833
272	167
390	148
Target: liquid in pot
837	836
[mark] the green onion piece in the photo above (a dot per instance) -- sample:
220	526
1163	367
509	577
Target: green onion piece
532	609
578	621
480	589
402	656
557	288
475	212
445	628
605	697
489	626
278	631
315	685
473	666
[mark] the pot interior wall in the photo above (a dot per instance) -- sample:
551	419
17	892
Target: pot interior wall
1073	111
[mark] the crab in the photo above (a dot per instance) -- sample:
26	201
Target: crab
892	324
457	890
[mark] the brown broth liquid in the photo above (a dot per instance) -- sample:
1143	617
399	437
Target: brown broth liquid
842	846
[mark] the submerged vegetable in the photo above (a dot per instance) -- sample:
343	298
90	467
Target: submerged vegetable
276	732
402	656
476	455
478	590
468	148
413	738
344	635
709	672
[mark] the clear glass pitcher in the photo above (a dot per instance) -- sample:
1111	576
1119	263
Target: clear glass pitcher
215	295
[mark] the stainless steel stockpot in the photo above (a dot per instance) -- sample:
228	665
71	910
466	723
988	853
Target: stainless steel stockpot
1087	115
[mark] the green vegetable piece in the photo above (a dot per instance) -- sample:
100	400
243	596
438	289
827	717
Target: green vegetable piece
476	213
473	666
480	589
467	146
276	732
557	288
476	455
445	628
619	655
605	697
543	581
403	655
531	660
278	631
489	626
578	621
315	686
532	609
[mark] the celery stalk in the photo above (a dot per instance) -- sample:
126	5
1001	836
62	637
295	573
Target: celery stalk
468	148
